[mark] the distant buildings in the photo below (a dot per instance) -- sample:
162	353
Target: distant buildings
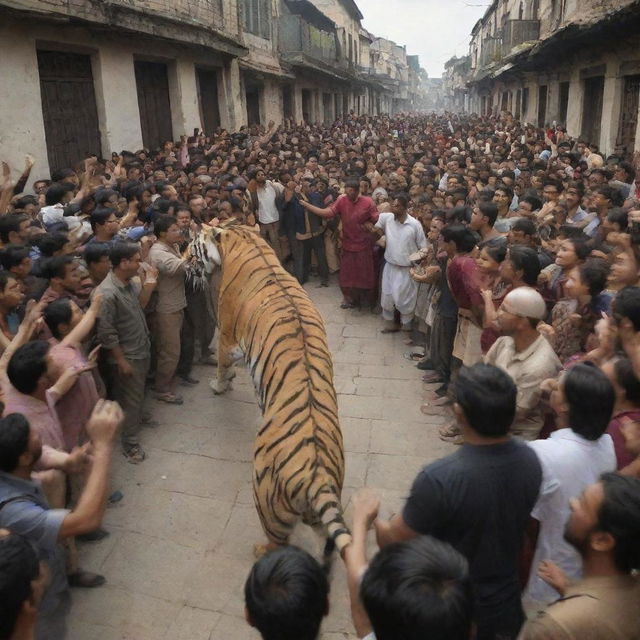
576	62
81	76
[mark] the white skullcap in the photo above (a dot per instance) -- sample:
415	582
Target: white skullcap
525	302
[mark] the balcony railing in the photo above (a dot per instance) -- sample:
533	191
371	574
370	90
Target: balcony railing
491	51
518	31
299	37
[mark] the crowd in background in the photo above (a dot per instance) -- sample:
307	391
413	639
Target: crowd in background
507	255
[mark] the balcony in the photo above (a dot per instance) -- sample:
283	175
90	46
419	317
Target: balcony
517	32
302	41
491	51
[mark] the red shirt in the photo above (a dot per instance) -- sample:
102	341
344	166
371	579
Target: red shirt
353	215
464	281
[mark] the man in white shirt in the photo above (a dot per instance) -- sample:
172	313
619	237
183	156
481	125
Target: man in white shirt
572	459
403	235
264	194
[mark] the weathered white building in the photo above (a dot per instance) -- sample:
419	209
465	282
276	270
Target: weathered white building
576	62
93	77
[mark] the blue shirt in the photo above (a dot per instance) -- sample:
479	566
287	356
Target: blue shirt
24	510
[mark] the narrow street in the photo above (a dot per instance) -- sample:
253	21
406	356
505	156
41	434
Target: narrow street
181	542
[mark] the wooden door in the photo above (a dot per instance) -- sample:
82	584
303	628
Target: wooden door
542	105
629	115
152	83
592	109
207	81
253	106
68	107
564	102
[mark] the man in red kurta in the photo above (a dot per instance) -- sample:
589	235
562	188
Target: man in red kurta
357	273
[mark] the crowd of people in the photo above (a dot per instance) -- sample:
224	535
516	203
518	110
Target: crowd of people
509	257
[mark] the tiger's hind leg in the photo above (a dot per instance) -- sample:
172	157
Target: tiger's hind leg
277	526
227	354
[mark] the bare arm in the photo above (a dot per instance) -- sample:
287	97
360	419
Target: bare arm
393	530
79	333
327	212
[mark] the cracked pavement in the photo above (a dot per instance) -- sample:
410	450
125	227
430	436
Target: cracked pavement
181	542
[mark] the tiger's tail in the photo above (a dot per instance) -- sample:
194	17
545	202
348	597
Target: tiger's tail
326	505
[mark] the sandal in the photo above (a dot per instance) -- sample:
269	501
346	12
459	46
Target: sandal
433	409
134	453
414	356
170	398
449	431
85	579
348	305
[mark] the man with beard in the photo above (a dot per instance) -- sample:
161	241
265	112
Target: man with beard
404	236
604	527
24	509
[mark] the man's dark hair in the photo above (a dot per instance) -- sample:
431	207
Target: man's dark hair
19	566
95	251
459	215
525	259
12	256
620	516
462	237
489	210
627	379
618	216
286	595
590	396
56	267
101	196
526	226
27	365
612	194
14	441
49	243
99	216
553	182
402	197
418	589
56	192
534	201
506	189
627	167
162	224
61	174
25	201
487	396
594	273
122	251
626	304
56	313
11	222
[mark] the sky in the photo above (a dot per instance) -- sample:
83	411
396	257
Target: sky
433	29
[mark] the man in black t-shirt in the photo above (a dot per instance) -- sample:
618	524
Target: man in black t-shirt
479	499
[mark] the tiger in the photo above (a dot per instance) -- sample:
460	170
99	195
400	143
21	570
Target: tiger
267	318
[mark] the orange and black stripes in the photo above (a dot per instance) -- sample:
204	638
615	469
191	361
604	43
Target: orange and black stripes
298	457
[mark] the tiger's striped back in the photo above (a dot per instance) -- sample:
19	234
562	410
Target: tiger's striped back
299	456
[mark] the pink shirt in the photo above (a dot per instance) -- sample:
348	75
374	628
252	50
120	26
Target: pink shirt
42	416
75	407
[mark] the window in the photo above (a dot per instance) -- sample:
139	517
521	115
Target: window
256	16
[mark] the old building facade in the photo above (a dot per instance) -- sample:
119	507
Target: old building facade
88	76
575	62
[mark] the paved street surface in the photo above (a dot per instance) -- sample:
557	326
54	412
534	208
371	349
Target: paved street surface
181	542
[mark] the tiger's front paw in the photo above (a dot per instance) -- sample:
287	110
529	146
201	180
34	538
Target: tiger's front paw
219	387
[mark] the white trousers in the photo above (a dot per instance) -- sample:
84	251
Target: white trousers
399	291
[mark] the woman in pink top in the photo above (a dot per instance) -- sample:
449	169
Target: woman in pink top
70	327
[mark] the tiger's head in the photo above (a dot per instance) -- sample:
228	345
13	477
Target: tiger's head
215	239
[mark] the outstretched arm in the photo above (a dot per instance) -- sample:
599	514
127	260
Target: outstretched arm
327	212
